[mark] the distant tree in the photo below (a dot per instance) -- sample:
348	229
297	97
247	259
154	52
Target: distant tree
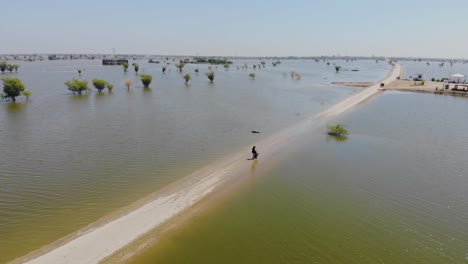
163	69
12	88
227	66
99	84
180	66
3	66
146	80
10	67
337	68
136	67
77	86
128	83
125	67
338	131
16	66
255	66
27	94
197	71
252	76
187	78
80	71
210	75
109	87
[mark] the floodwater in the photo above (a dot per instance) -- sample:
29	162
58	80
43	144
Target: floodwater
393	192
66	161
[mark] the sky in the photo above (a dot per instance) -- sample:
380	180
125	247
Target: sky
410	28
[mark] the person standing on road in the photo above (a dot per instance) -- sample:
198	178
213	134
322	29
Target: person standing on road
254	153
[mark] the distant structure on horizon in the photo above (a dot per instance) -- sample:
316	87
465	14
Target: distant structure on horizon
114	61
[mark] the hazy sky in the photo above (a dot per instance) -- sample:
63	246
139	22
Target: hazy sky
430	28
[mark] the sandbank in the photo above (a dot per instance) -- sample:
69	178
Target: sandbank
428	87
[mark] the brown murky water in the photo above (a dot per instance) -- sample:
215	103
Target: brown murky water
66	161
394	192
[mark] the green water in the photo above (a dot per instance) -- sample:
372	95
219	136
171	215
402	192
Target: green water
66	161
394	192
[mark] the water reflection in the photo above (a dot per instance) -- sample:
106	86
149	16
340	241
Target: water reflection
336	138
15	107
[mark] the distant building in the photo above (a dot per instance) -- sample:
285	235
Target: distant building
114	61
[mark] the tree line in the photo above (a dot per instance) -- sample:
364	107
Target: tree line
4	66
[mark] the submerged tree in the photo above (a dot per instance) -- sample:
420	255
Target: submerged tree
16	66
128	83
338	130
12	88
210	75
163	69
227	66
80	71
125	67
3	66
146	80
27	94
337	68
109	87
136	67
187	78
252	75
197	71
10	67
180	66
77	86
99	84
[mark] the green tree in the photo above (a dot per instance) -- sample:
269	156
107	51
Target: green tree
210	75
252	75
99	84
77	86
80	71
197	71
136	67
180	66
227	66
110	87
27	94
125	67
187	78
12	88
146	80
10	67
338	130
337	68
163	69
16	66
3	66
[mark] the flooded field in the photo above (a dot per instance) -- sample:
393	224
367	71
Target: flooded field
66	161
393	192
